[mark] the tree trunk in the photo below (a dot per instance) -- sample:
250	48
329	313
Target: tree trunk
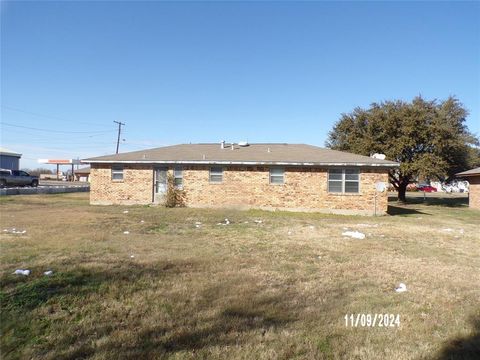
402	189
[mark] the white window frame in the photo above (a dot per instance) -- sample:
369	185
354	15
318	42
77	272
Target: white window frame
343	181
178	175
117	170
215	173
277	176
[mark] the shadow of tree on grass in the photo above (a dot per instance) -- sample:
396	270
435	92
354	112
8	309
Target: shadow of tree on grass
463	348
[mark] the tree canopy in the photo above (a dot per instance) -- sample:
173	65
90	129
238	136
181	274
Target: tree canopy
428	138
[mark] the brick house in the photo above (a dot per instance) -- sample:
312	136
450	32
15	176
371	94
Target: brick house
473	178
267	176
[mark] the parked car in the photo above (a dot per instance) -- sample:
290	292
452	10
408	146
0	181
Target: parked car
17	178
427	188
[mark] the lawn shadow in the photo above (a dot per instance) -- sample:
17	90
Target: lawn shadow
402	210
463	348
20	296
212	322
445	201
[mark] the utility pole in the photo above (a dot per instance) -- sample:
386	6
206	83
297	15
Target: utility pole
119	131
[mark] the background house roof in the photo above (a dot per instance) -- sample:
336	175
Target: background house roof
4	151
85	170
471	172
253	154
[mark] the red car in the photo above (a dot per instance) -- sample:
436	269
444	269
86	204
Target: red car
427	188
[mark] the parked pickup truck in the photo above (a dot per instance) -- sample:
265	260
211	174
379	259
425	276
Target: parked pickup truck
17	178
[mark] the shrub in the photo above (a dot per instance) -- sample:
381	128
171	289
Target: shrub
174	196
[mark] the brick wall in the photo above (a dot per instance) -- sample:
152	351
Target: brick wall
136	187
305	189
474	192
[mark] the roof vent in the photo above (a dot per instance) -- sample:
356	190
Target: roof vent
268	150
222	144
378	156
232	146
243	143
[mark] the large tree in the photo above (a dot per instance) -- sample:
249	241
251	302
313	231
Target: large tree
428	138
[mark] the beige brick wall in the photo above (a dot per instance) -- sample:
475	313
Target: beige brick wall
136	187
304	189
474	192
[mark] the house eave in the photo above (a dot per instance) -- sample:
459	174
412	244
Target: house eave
251	163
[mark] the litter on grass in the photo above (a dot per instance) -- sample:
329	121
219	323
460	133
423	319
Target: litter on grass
22	272
125	211
48	273
258	221
14	231
198	223
401	288
354	234
311	227
447	230
226	222
132	256
126	232
142	221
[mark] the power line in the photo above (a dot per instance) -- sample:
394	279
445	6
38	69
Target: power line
56	131
48	116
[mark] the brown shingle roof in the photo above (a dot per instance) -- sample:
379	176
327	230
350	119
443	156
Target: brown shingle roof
471	172
253	154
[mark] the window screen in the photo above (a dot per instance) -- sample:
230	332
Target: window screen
216	174
344	181
277	175
117	172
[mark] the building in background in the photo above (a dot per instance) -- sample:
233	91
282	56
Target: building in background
9	159
82	174
473	178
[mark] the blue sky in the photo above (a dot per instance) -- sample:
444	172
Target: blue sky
182	72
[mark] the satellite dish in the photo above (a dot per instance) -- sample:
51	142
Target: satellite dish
380	186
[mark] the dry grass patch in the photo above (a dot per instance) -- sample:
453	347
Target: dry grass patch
278	289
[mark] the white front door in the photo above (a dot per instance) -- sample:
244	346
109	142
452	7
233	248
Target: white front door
159	184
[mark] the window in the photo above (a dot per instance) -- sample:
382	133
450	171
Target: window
277	175
216	174
178	177
117	172
344	181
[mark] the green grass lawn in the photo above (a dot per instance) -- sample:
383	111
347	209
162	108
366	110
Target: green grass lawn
279	289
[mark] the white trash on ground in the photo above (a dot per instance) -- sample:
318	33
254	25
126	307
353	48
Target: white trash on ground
447	230
14	231
125	211
226	222
258	221
354	234
311	227
132	256
126	232
142	221
48	273
401	288
22	272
